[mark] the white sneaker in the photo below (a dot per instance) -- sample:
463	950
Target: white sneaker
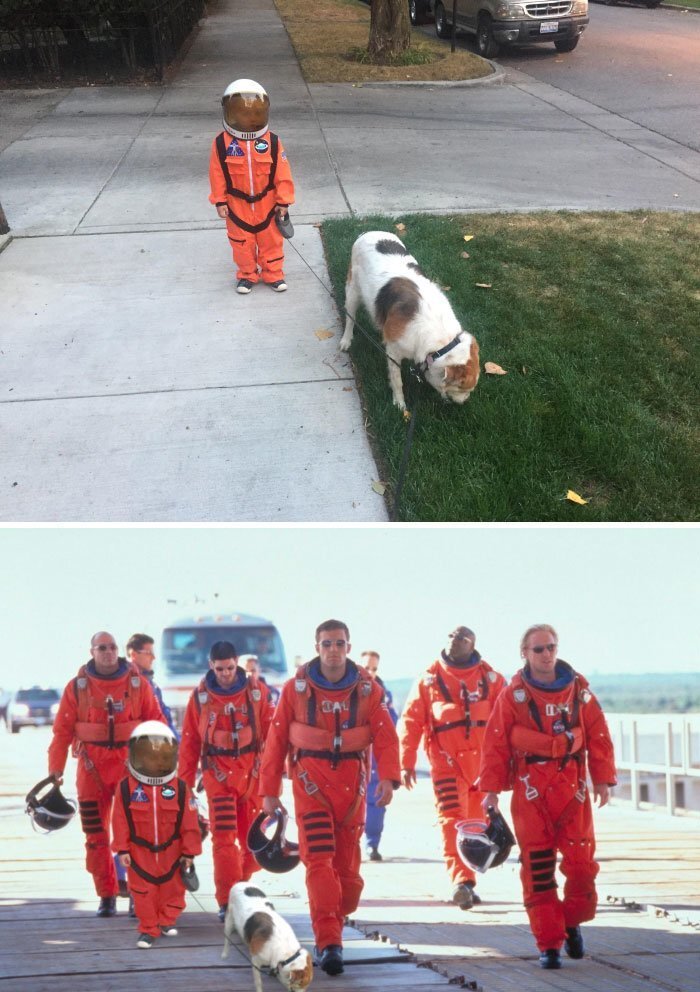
244	286
169	931
279	287
145	941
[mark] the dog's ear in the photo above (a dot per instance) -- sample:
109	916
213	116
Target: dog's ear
301	978
472	375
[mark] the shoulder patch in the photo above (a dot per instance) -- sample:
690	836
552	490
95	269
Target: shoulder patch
519	695
491	676
585	696
300	685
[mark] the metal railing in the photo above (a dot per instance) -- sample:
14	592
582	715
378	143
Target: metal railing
661	754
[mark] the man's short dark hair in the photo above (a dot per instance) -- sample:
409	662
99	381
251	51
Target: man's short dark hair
332	625
222	651
138	641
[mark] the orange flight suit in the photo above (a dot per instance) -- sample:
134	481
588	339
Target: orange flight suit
225	730
327	731
538	742
449	707
155	825
251	178
96	716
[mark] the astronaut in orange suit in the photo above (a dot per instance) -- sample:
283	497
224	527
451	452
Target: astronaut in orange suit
546	730
156	830
97	713
251	185
226	721
326	720
448	707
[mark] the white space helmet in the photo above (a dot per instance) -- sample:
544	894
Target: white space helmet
245	109
152	753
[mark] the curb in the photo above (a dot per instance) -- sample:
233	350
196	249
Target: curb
5	239
496	78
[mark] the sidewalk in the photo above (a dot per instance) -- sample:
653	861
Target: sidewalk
135	385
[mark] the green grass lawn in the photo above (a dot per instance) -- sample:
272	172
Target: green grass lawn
595	318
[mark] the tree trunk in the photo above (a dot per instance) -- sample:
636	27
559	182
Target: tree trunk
389	29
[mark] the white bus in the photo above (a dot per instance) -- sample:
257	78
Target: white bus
184	654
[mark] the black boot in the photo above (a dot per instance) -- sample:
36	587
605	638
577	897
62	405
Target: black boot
331	959
550	959
108	906
573	945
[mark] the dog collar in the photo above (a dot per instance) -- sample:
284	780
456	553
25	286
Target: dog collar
273	972
434	355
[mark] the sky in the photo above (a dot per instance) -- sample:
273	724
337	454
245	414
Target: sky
623	599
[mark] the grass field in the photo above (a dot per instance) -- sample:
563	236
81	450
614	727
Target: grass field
595	319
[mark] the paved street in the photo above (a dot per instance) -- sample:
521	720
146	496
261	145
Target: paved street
135	385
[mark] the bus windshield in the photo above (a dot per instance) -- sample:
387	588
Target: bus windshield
186	649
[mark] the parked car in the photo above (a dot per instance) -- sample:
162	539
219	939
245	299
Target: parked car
499	22
419	11
35	707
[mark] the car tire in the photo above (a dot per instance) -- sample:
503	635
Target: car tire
443	29
13	728
567	44
416	12
486	44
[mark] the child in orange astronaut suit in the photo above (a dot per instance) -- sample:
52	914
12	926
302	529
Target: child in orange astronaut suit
156	830
251	186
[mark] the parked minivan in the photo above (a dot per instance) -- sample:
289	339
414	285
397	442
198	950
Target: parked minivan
499	22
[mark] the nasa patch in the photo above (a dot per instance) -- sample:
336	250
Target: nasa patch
558	727
139	796
167	792
261	145
234	150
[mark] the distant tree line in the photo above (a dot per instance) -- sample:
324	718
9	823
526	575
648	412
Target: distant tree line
95	39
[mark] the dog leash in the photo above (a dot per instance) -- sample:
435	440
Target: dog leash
414	370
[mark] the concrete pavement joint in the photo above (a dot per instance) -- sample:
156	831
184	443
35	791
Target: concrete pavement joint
118	164
601	130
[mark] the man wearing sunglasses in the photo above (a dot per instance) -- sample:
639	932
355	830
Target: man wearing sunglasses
448	709
98	710
328	717
546	732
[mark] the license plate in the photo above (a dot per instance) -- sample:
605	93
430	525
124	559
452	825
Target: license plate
549	27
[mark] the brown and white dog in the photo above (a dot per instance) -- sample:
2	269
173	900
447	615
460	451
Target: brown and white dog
414	316
273	947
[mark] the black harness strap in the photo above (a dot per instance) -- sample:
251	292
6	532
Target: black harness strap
156	879
230	188
139	841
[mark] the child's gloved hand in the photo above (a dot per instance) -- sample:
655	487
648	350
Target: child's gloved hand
222	211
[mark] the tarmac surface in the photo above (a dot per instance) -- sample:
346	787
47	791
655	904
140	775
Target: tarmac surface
643	939
135	384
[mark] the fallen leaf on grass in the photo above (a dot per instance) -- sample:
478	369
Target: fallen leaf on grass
575	498
464	254
445	289
379	487
347	389
322	334
492	369
524	369
400	227
468	237
483	285
407	415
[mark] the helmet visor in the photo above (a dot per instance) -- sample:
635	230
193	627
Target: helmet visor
153	756
246	111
